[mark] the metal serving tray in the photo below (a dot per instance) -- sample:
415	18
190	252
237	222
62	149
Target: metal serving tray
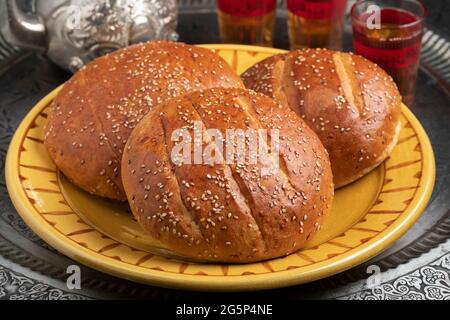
411	268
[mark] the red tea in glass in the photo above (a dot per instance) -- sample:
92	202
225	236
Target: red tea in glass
316	23
246	21
394	41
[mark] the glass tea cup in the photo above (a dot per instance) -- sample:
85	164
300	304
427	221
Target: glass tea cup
247	21
316	23
389	33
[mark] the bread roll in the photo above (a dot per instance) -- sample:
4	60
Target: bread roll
94	113
350	102
229	211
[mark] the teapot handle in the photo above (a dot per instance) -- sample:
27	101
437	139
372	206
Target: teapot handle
22	29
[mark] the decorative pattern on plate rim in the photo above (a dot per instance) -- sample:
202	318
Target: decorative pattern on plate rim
143	257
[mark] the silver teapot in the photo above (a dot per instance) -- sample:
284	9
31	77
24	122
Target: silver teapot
73	32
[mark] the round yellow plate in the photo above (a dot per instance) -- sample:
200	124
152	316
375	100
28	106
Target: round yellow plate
367	216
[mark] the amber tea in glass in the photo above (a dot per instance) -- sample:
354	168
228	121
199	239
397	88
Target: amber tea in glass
246	21
395	43
316	23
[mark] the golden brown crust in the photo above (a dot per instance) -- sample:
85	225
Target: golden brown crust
350	102
97	108
227	212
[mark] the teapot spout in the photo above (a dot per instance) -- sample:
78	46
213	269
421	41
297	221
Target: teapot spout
21	29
